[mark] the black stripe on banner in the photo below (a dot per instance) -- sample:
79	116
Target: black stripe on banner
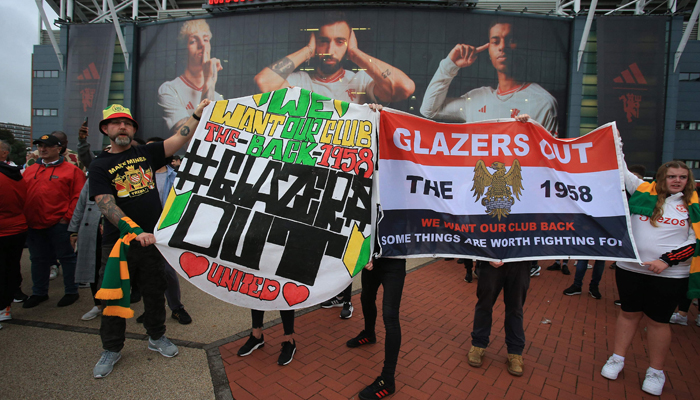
413	232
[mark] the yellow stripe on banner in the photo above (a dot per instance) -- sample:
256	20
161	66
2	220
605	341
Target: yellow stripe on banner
352	251
695	265
115	250
168	203
123	270
694	198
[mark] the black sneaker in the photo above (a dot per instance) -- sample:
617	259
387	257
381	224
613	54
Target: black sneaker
361	339
68	299
287	354
535	271
20	297
34	301
594	292
554	267
251	344
379	389
572	290
347	310
618	302
565	270
468	277
333	302
182	316
139	319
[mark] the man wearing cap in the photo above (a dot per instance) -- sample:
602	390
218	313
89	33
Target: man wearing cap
53	189
122	183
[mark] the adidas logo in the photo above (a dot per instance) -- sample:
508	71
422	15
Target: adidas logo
514	113
89	73
189	106
631	75
482	109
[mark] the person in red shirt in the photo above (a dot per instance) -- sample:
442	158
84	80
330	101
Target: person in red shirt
13	230
53	189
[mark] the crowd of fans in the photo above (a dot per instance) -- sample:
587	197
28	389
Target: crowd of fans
70	224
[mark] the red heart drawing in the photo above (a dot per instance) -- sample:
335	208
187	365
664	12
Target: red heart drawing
193	265
295	294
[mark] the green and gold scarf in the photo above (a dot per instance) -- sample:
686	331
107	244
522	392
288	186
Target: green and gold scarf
116	285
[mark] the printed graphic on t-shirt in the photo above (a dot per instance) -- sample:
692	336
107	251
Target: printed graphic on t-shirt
133	182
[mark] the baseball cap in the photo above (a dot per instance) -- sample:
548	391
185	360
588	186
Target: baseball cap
116	111
49	140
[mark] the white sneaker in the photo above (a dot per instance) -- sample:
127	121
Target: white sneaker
654	382
92	314
612	368
676	318
589	266
5	314
54	272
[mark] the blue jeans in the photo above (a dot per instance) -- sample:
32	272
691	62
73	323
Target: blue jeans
45	247
582	266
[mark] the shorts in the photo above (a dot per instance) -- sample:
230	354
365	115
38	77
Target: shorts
655	296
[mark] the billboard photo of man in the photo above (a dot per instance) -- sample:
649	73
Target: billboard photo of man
179	97
510	98
333	42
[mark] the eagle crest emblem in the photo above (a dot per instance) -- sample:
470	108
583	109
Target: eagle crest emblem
502	186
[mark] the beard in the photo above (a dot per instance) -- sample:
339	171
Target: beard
122	140
327	69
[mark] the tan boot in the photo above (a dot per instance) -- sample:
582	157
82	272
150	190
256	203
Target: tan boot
475	356
515	364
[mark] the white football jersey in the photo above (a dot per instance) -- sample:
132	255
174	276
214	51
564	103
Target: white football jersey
486	102
351	87
179	98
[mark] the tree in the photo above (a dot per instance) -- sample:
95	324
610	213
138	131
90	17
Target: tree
18	152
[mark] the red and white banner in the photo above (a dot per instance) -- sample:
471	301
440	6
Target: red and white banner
500	191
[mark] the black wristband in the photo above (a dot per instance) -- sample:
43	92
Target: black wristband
196	117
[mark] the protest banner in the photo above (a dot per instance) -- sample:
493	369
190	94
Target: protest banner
273	205
500	191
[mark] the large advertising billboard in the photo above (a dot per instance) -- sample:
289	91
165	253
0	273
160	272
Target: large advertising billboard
446	65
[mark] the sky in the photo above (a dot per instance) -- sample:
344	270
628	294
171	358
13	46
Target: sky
19	25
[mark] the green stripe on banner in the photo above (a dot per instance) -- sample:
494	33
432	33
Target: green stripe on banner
364	255
176	210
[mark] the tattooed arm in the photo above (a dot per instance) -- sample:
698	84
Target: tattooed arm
114	214
275	76
390	83
184	132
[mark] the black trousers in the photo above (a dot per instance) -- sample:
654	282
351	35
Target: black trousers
10	276
390	273
286	315
147	266
514	279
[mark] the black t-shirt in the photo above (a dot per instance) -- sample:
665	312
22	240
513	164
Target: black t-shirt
130	177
